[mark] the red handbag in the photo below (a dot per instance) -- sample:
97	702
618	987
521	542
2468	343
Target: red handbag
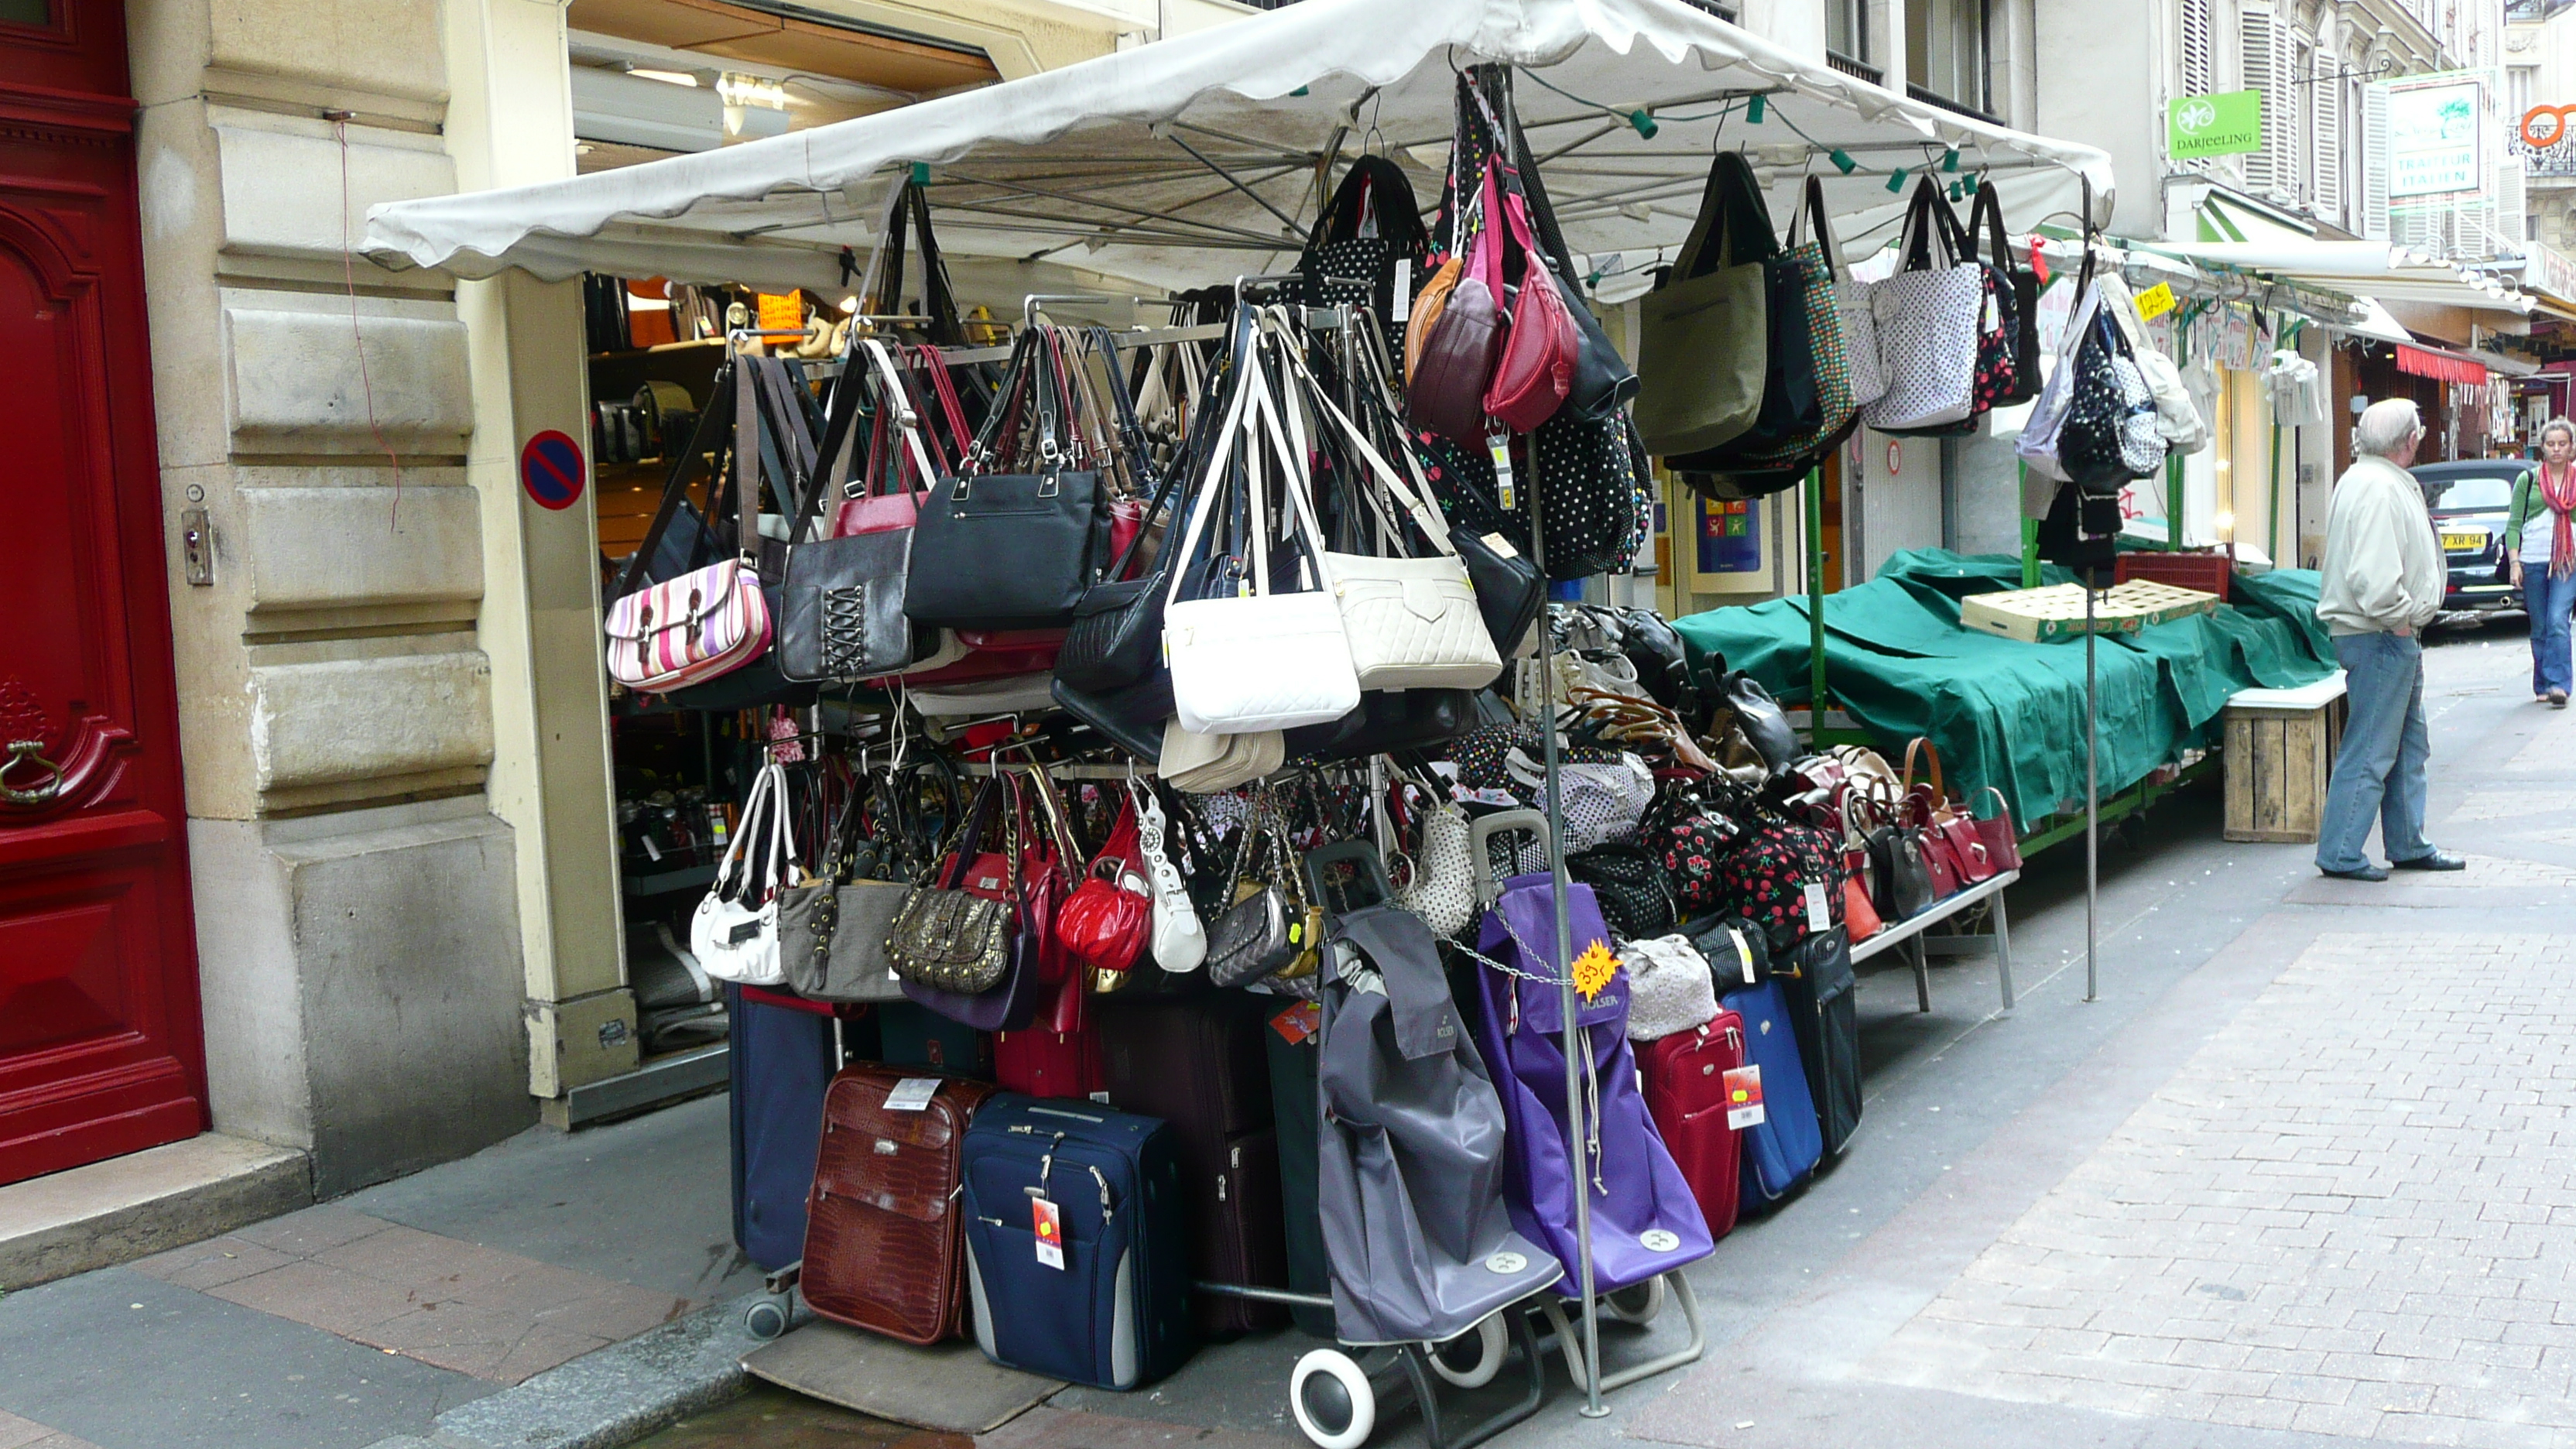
1104	923
1536	368
2003	846
1860	918
883	504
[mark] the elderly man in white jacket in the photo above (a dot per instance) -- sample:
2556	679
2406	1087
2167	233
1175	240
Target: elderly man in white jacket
2383	579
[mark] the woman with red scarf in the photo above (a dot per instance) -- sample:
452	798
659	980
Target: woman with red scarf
2542	547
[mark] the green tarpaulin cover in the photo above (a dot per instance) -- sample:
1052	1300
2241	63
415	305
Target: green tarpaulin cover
2011	715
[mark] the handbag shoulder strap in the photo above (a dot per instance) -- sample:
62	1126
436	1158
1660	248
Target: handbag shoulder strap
1813	219
1987	215
746	454
675	484
1213	488
1383	472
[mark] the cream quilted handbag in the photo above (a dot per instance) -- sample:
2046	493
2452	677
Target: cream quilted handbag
1412	622
1263	660
1210	764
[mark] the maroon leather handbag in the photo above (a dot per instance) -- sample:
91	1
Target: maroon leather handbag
2003	846
1447	392
1536	368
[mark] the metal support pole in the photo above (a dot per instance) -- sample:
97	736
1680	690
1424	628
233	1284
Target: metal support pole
1815	607
2092	796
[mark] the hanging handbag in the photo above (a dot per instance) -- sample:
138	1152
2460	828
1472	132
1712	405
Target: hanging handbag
1703	336
1585	477
1928	319
1604	383
1104	923
1367	246
2111	434
734	931
1210	764
2018	292
1534	369
1133	717
1178	939
1997	326
1260	660
947	936
1461	340
1807	277
705	623
2003	846
1442	886
832	931
1258	934
843	615
1791	416
996	550
1391	721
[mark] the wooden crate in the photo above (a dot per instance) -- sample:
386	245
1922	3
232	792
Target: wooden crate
2278	750
2036	616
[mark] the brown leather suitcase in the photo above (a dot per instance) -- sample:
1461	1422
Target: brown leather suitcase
1198	1063
883	1247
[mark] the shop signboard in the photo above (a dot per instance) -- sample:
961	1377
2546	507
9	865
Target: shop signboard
2434	143
2230	124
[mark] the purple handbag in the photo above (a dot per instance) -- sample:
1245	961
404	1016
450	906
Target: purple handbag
1644	1219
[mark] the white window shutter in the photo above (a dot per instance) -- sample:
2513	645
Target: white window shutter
2374	161
2326	124
2197	74
2509	200
2258	57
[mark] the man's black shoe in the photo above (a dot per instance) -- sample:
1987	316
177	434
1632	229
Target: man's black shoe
2431	860
2363	872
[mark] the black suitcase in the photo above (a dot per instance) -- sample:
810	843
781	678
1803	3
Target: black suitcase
1197	1063
1294	1109
780	1062
1815	977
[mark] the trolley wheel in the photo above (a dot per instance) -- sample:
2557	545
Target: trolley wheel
1488	1340
1637	1303
765	1319
1332	1400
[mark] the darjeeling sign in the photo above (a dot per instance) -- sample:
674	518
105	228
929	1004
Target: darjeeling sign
2220	125
2433	142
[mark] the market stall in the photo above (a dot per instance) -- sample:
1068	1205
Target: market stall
1164	699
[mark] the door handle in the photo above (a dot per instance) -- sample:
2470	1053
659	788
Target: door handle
25	752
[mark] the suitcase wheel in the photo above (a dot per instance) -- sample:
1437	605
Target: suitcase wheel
766	1319
1637	1303
1332	1399
1488	1341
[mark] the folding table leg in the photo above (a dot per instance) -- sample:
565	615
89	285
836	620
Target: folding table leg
1922	973
2003	949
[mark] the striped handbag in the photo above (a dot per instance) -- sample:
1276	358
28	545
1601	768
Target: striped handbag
709	621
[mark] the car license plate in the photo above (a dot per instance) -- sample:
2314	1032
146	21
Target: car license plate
2464	542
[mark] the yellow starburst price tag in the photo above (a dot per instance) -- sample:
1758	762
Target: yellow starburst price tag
2155	301
1593	969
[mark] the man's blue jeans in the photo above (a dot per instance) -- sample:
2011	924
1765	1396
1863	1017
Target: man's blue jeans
2550	601
2379	772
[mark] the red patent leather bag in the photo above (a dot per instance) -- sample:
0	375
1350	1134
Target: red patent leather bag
1104	923
1535	369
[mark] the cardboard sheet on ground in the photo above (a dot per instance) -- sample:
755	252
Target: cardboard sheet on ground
2009	714
952	1389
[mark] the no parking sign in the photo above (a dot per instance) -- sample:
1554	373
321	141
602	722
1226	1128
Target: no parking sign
550	469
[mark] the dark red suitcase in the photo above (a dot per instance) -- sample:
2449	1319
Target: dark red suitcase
884	1248
1685	1079
1198	1063
1048	1063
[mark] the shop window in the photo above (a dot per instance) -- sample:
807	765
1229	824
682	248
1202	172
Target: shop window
1945	53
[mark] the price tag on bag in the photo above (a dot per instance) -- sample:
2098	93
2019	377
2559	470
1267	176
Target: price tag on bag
1298	1022
1743	1097
1403	289
1820	913
1499	446
2155	301
1049	1221
1743	953
912	1094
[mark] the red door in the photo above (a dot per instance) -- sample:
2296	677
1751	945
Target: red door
100	1050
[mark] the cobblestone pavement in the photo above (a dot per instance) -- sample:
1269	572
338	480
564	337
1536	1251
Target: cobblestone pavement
2348	1213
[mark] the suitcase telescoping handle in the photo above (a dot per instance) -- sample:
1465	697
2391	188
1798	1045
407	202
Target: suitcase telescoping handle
1501	822
1369	885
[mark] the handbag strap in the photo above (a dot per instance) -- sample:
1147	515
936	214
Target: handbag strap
1381	471
711	425
1247	371
897	404
1925	218
1987	214
732	859
1811	209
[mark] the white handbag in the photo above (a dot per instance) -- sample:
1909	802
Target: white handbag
734	931
1860	341
1179	937
1260	660
1443	888
1927	316
1204	764
1412	622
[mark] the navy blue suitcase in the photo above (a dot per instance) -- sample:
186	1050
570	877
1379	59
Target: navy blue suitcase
1117	1313
912	1035
1783	1148
780	1061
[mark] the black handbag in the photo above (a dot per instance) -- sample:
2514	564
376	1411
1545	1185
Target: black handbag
842	603
1792	409
2019	293
1131	715
1011	550
1900	883
1368	245
1116	637
1629	886
1765	724
1387	722
1603	383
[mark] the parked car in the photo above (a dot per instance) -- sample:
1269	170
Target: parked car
2471	500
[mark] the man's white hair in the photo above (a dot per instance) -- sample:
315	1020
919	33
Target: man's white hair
2385	426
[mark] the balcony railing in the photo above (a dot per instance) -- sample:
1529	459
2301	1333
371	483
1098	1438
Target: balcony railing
1856	69
1932	97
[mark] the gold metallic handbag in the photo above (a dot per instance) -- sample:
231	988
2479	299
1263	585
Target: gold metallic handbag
950	938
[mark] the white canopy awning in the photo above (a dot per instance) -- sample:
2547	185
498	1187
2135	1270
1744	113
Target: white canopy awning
1195	159
2363	268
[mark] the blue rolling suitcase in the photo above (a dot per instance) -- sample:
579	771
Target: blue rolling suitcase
1783	1148
1077	1251
779	1062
